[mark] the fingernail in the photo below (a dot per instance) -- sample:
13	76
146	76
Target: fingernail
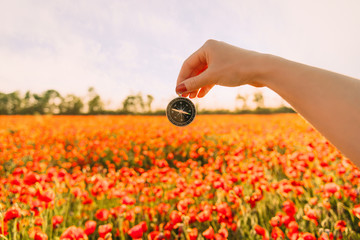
180	89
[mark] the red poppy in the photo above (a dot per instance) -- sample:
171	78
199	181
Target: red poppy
40	236
128	200
223	232
276	233
341	225
331	187
31	178
259	230
104	229
289	208
175	217
102	214
204	216
275	221
356	210
209	233
238	190
57	220
311	215
325	236
308	236
47	196
155	235
193	234
138	230
90	227
11	213
73	233
38	221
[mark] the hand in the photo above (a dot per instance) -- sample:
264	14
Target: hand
218	63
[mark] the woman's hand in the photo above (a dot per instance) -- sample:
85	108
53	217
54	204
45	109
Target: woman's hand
328	100
218	63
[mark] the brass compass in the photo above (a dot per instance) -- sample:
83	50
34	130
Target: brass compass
181	111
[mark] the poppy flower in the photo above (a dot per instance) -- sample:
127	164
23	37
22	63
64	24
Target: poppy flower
308	236
311	215
40	236
128	200
239	190
223	232
90	227
204	216
289	208
341	225
275	221
102	214
356	210
38	221
57	220
326	236
259	230
193	234
47	196
155	235
175	217
11	213
331	187
277	234
104	229
31	178
138	230
209	233
73	233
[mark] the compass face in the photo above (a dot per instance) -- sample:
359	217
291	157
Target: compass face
180	111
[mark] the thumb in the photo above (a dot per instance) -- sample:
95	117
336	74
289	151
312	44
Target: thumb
194	83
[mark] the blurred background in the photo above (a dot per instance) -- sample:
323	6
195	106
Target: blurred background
108	51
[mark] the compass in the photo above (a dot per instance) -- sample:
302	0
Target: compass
181	111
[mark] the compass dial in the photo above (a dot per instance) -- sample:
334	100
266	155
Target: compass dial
180	111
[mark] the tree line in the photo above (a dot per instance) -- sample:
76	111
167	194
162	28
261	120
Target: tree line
52	102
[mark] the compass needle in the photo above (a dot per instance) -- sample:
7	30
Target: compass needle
180	111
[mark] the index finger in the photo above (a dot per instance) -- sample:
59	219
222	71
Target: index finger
193	65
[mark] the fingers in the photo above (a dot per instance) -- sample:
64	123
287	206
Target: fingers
193	94
193	65
193	84
194	76
203	91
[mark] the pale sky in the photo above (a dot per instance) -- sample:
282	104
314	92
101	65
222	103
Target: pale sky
125	47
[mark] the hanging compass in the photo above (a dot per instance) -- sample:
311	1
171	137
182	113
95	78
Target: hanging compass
181	111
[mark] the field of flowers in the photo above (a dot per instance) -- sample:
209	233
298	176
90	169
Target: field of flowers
139	177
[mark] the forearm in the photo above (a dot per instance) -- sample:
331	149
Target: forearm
327	100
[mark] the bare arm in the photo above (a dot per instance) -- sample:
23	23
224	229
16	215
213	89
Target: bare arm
327	100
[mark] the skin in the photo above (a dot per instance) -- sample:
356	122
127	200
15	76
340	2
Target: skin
327	100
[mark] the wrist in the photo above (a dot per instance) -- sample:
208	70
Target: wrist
265	68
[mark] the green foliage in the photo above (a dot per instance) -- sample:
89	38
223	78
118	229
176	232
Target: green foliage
52	102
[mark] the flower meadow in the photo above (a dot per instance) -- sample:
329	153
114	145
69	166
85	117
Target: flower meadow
139	177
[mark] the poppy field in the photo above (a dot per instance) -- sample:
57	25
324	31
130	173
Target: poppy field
139	177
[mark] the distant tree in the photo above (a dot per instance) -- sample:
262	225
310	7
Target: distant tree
150	99
259	99
244	100
95	103
50	101
136	104
10	103
71	105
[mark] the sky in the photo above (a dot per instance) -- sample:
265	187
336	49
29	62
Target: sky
123	47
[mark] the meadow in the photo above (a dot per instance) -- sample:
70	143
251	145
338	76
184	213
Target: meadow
139	177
